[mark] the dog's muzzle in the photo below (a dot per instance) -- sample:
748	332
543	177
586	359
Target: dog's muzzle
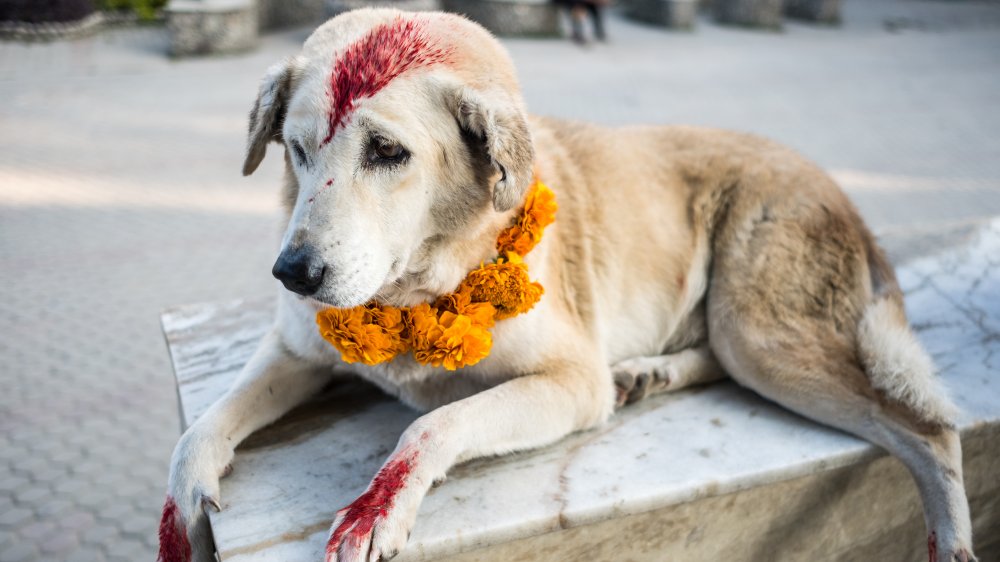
300	270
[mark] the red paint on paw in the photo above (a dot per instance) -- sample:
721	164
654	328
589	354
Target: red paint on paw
174	546
369	64
932	547
375	503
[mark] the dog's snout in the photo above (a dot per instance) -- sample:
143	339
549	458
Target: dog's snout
300	270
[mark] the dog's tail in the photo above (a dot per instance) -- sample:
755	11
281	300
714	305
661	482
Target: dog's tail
897	365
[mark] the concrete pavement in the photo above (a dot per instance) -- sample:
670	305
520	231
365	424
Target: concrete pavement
120	195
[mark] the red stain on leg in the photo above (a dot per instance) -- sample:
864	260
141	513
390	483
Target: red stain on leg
369	64
932	547
174	546
375	503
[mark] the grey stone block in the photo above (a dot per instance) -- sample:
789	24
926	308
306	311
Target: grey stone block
274	14
823	11
335	7
510	17
18	552
200	27
750	13
679	14
48	31
15	517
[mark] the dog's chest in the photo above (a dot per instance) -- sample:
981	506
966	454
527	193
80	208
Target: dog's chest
654	314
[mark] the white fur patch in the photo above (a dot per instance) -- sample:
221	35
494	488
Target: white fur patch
899	366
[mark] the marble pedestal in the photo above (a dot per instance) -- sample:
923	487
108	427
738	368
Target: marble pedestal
821	11
202	27
336	7
677	14
765	14
536	18
714	473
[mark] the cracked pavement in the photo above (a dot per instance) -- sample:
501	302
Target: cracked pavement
120	195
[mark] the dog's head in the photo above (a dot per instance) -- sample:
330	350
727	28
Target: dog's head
402	132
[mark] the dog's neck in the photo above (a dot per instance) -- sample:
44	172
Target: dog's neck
443	260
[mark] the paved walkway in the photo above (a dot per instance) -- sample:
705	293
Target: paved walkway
120	195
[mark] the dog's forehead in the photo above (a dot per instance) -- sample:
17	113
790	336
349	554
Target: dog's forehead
346	62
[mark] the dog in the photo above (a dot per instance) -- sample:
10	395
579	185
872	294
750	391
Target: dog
679	256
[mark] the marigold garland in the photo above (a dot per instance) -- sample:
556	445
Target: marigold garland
454	332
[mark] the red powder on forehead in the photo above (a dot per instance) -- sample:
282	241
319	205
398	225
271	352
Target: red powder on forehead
369	64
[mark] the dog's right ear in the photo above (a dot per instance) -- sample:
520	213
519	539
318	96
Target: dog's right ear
268	114
497	119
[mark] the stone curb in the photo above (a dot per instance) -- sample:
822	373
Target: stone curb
337	7
49	31
54	31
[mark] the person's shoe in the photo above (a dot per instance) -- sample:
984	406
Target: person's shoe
599	31
577	34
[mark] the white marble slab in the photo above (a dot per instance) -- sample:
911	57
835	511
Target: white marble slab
288	480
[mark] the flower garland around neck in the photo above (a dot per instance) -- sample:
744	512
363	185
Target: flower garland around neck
454	331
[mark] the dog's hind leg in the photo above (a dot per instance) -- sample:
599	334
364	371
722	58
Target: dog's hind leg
874	382
639	377
916	423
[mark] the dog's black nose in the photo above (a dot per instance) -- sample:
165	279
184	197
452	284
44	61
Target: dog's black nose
300	270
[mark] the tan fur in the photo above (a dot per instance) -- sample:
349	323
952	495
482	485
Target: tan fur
678	253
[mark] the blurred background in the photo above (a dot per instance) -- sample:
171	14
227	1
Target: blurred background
122	128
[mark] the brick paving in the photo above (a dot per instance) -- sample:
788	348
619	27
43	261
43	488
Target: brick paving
120	195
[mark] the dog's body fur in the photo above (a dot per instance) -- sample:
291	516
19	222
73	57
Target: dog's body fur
678	255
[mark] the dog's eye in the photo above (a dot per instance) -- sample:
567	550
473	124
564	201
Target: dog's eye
300	153
386	152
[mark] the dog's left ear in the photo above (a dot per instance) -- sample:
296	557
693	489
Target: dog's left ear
497	118
268	114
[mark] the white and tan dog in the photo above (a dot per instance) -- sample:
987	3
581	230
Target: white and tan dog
678	255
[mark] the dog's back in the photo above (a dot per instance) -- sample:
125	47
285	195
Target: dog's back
702	234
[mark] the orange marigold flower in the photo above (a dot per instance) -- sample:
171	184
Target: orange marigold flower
423	327
450	338
462	302
505	285
462	342
514	239
539	211
454	332
540	208
368	334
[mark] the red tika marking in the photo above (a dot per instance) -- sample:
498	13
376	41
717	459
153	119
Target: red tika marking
328	183
932	546
369	64
374	503
174	546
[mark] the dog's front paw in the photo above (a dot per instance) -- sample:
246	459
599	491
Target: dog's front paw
185	535
963	555
637	378
376	526
953	554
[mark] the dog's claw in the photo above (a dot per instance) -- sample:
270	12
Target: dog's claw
964	555
210	501
227	470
